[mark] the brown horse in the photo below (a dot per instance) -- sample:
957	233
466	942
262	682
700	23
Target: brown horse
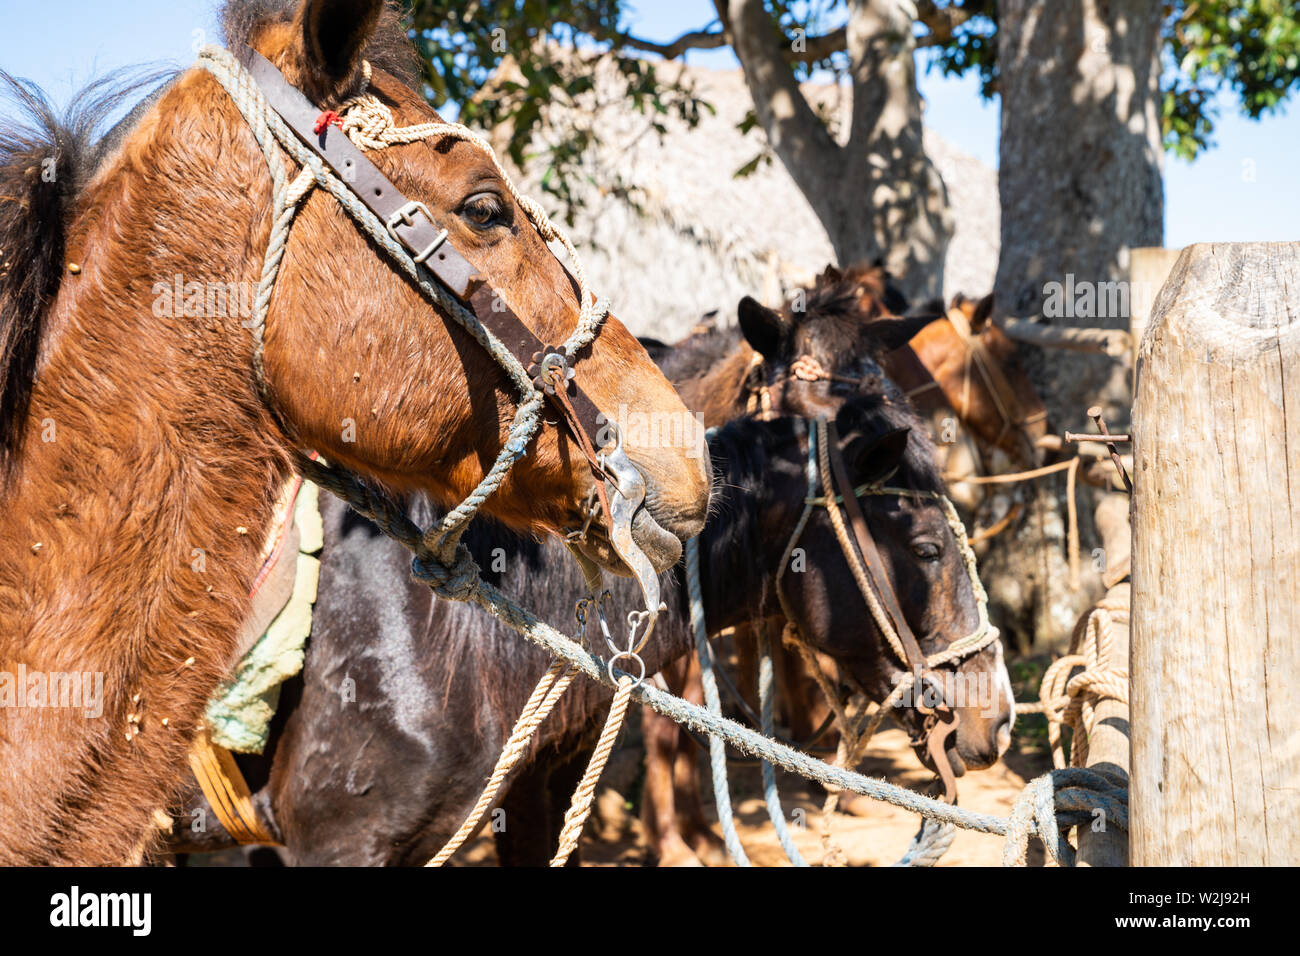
141	465
806	359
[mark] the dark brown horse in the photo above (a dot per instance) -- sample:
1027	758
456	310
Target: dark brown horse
821	349
141	465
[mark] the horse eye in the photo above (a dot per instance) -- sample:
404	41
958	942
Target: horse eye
926	550
483	211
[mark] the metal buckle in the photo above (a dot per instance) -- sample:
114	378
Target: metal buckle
403	216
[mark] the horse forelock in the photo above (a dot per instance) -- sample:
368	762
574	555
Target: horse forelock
832	321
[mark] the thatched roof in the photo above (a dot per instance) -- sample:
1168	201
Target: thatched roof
703	238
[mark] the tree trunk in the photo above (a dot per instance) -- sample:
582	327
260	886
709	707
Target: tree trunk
877	195
1079	174
1079	179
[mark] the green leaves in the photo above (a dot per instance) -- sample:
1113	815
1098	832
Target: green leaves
1249	51
1211	49
501	62
543	51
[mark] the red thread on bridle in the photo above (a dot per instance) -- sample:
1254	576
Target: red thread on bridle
325	120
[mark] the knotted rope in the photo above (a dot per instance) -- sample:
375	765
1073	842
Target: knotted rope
1058	800
1069	695
440	560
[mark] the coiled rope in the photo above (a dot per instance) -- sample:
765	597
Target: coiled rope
1075	683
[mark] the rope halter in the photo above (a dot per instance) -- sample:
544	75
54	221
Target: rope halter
940	721
289	130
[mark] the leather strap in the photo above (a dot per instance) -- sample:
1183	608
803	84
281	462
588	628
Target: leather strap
411	224
941	721
871	554
227	792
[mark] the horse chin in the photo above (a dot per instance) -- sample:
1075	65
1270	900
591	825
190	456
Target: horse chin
662	548
956	761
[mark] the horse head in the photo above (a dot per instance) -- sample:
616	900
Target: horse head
889	461
348	337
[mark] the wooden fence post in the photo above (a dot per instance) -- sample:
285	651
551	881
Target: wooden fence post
1148	268
1215	661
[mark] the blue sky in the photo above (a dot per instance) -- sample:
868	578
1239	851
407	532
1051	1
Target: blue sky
1242	190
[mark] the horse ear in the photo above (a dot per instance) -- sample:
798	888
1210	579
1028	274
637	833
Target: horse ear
876	459
333	34
983	309
830	275
764	329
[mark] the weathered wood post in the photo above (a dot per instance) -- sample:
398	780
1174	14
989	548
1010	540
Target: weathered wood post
1148	268
1215	664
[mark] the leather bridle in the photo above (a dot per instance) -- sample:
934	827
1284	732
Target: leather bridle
410	223
940	721
827	472
426	254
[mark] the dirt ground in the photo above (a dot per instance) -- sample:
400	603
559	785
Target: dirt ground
876	837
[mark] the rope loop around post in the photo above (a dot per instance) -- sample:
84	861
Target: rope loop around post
1056	801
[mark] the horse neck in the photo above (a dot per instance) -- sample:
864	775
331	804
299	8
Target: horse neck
141	499
719	392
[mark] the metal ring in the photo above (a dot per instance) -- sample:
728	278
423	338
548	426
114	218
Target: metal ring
927	679
609	666
634	620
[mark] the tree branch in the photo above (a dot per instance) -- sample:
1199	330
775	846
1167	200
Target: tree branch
814	48
795	131
694	40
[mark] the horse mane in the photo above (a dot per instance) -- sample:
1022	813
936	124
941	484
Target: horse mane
741	452
833	317
389	48
883	409
46	157
697	354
